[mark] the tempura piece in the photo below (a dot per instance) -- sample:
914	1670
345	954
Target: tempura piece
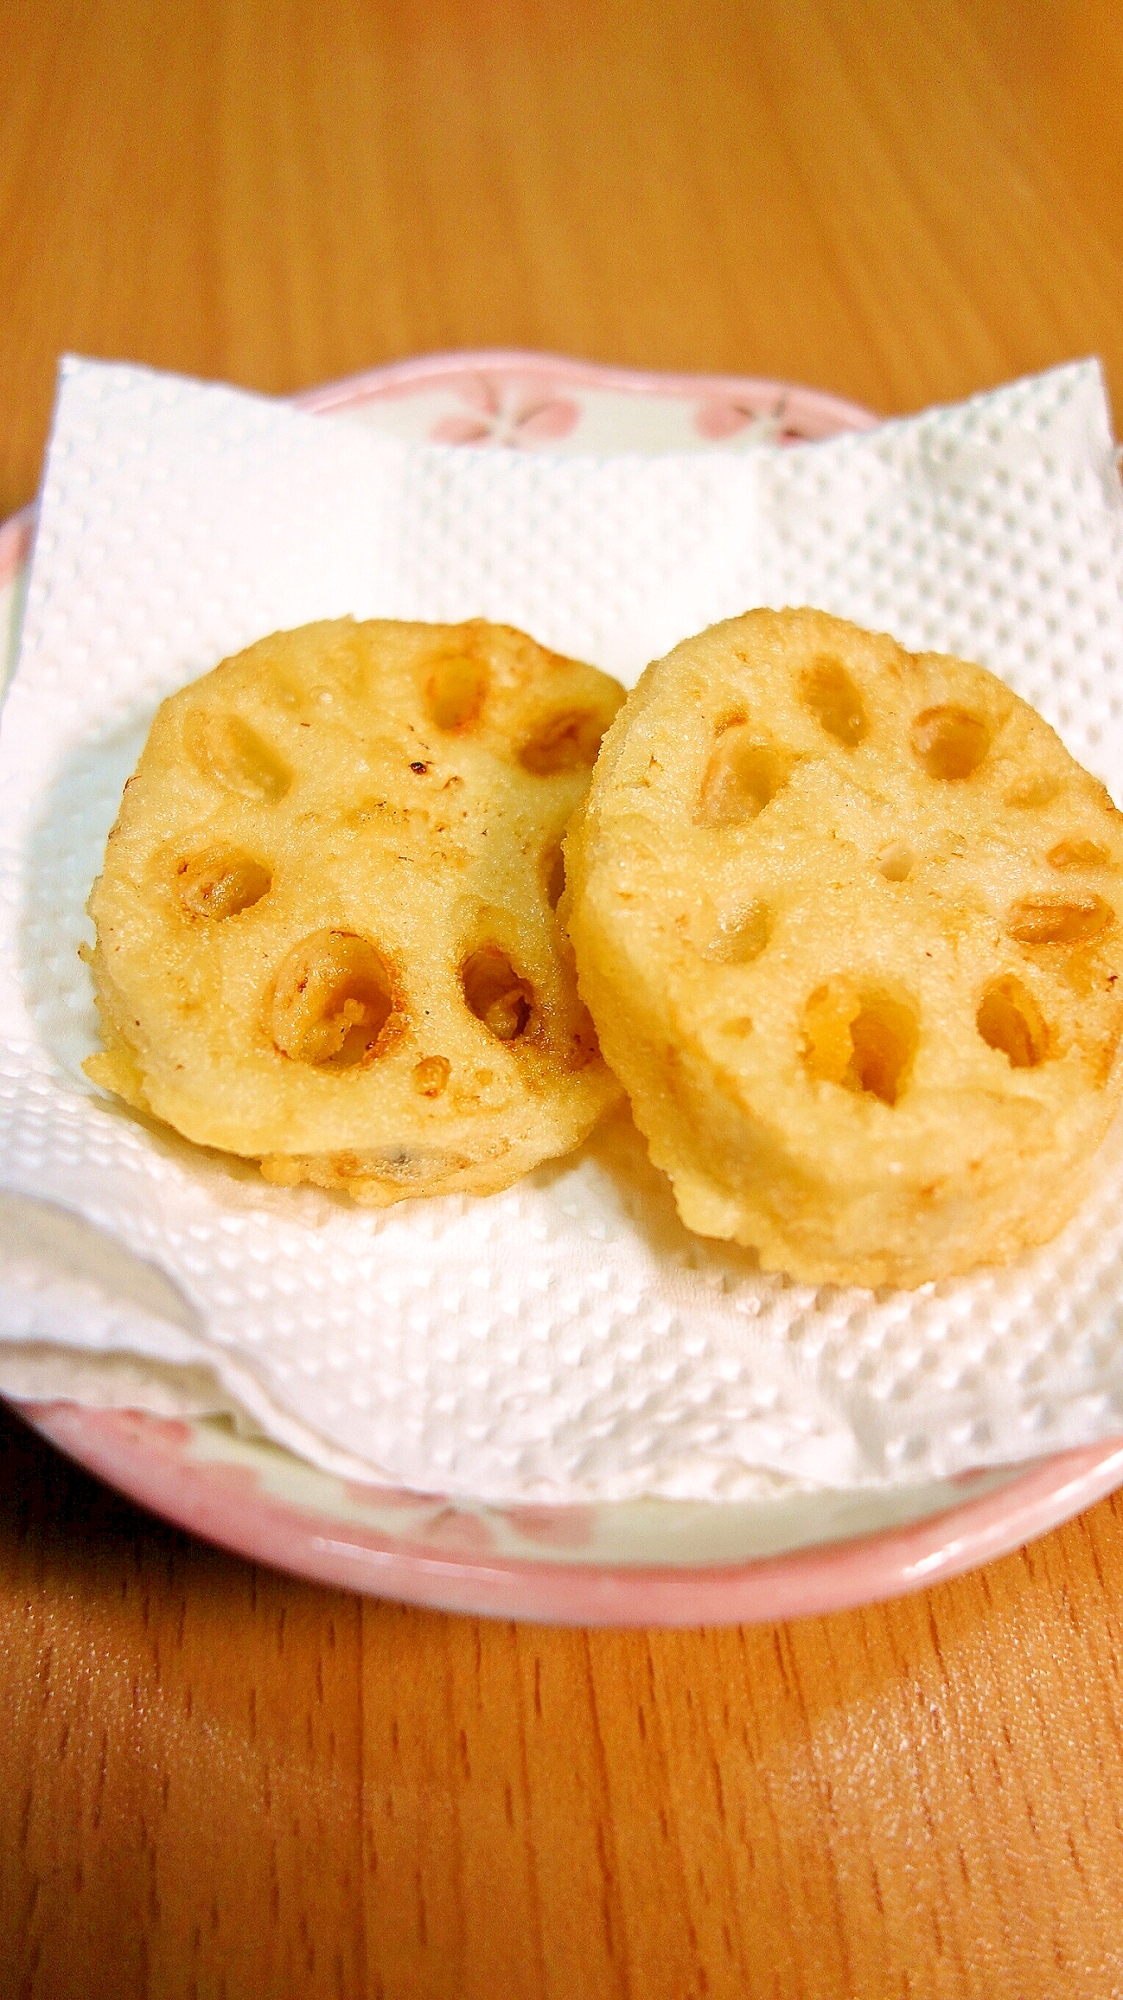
847	919
326	936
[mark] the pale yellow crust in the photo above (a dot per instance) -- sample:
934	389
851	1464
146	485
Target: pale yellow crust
849	921
325	928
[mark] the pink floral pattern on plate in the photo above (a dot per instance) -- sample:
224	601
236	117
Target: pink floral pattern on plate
719	418
507	410
529	401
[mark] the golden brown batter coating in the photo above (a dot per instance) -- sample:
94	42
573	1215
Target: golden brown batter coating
849	921
325	928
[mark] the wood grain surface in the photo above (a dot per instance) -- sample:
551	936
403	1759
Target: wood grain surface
219	1783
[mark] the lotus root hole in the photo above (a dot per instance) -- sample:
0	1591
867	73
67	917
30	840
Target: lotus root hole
496	994
229	750
863	1039
742	777
1010	1020
431	1075
1041	920
740	937
455	691
569	741
1037	790
331	1001
834	701
895	861
553	871
221	882
950	742
1078	854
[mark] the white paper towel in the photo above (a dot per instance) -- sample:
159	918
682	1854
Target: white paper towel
567	1340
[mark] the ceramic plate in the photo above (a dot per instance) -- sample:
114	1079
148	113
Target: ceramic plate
644	1562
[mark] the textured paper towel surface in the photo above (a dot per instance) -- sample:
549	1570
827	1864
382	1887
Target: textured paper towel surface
566	1340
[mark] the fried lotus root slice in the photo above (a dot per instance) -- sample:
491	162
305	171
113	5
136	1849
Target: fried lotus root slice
849	921
326	937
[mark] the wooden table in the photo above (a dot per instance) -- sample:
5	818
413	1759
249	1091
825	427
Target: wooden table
217	1781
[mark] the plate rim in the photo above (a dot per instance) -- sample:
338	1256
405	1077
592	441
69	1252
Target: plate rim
135	1459
414	370
812	1580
